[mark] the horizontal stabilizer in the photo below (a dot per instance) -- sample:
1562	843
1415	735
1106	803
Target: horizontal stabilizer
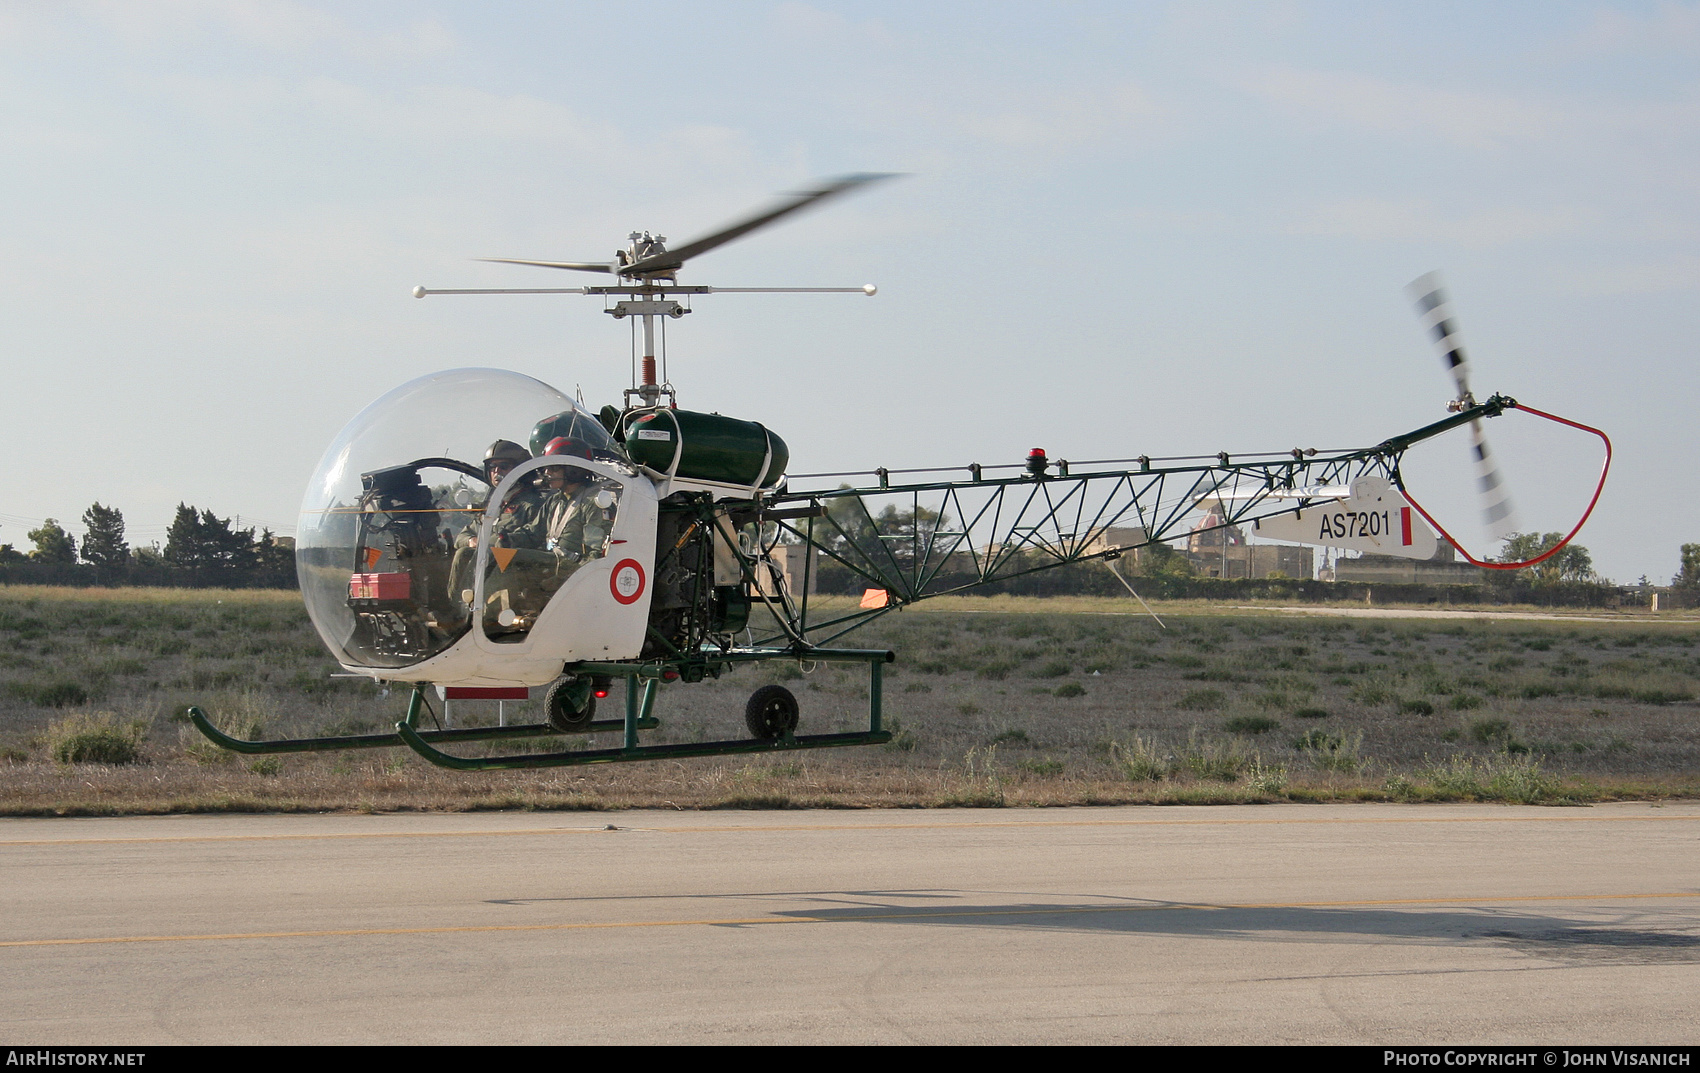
1375	519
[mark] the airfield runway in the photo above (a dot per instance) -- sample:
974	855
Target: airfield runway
1293	923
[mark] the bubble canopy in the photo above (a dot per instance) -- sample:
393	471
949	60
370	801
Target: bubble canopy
390	496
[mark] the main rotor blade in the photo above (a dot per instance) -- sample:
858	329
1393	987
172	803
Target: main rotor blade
1434	306
577	266
802	199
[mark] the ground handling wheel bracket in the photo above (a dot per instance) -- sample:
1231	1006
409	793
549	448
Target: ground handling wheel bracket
639	702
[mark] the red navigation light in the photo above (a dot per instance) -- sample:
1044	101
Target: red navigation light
1037	462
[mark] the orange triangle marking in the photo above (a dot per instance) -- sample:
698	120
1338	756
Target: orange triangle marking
372	557
875	598
503	557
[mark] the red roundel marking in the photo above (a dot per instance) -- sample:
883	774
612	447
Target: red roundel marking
626	583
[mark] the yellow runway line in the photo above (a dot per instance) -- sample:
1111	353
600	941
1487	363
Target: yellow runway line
1564	817
915	915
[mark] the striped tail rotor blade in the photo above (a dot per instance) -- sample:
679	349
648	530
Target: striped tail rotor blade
1499	514
1434	306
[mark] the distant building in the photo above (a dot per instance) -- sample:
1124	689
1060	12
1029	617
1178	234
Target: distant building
1135	537
791	560
1217	550
1440	569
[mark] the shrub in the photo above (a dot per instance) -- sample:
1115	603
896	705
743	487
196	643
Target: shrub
1053	669
1517	779
1141	760
1661	696
96	739
1250	724
1222	761
1311	713
1372	693
1490	731
61	694
1316	739
1334	752
1069	689
1266	780
1416	707
1202	700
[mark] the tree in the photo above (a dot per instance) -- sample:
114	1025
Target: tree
206	545
53	544
1160	560
1572	564
1688	573
103	543
183	540
273	558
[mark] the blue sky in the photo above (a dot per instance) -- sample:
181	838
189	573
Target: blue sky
1125	228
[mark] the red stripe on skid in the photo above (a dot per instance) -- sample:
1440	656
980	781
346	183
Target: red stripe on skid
1405	524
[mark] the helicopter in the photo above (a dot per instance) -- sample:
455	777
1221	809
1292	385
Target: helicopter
478	531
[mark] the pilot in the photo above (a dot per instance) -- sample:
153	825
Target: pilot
520	523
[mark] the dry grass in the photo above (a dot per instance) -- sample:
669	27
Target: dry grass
995	701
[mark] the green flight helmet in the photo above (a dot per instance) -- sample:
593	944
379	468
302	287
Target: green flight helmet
504	451
575	425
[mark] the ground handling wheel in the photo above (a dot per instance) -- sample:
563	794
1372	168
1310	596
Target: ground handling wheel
771	712
570	704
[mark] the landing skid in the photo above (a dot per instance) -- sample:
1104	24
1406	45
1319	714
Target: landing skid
642	680
387	741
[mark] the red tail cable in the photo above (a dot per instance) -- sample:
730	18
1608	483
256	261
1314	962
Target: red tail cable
1554	550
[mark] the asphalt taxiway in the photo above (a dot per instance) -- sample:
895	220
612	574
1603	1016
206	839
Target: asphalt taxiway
1261	924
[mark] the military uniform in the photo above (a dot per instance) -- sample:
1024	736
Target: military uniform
574	526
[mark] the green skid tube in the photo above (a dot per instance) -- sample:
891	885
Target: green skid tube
385	741
643	752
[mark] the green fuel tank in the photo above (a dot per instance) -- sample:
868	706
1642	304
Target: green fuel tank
704	447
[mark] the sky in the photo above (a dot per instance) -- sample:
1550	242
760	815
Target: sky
1123	228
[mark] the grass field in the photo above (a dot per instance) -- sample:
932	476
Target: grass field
999	701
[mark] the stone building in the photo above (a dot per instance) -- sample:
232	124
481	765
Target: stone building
1443	568
1217	550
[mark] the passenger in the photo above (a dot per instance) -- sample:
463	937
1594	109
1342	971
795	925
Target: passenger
574	526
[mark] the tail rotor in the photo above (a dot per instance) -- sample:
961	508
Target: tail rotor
1434	306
